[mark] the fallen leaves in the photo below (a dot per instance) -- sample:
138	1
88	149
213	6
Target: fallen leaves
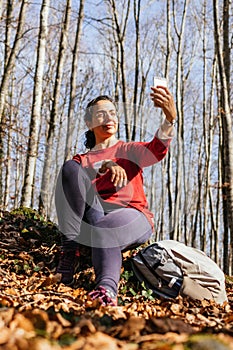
36	312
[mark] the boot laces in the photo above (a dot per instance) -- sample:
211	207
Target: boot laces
105	296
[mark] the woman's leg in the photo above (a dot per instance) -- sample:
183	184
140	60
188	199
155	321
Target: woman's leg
119	230
76	204
78	208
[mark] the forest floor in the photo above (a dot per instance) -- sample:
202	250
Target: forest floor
38	313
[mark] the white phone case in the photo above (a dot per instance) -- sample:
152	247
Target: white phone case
160	81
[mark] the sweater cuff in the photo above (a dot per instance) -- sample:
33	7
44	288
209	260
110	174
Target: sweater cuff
165	132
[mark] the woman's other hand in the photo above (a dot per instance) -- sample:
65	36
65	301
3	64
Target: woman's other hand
119	176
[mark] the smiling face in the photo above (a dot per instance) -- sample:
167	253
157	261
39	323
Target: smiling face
104	122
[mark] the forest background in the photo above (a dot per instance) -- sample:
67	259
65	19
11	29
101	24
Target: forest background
57	55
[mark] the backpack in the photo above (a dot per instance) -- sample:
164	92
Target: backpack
170	268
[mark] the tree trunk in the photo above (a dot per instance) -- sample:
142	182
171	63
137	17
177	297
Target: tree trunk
27	190
120	38
137	8
69	135
9	160
170	153
213	213
225	114
206	130
198	201
10	58
45	192
180	123
4	119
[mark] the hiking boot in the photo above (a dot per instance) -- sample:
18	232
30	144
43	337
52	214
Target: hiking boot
104	296
68	265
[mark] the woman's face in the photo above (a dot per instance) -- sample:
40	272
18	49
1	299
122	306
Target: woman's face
104	121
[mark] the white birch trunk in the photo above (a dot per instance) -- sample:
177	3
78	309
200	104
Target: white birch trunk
180	143
12	56
70	126
8	178
46	186
36	109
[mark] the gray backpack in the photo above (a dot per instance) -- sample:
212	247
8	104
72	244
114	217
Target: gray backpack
170	268
154	266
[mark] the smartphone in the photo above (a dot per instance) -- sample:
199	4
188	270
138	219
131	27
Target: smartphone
160	81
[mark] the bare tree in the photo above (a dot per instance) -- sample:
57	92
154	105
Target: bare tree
27	190
207	133
137	8
222	49
119	27
9	62
170	154
180	122
8	30
73	81
214	207
11	57
52	131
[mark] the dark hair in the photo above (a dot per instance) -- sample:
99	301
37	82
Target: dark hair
90	136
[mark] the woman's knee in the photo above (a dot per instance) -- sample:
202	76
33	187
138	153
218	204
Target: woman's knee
69	168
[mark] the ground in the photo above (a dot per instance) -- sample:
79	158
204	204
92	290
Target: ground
39	313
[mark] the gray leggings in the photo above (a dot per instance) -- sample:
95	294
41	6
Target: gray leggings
85	219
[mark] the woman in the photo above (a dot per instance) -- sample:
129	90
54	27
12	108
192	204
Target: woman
99	197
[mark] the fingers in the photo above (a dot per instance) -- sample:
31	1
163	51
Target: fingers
162	98
160	95
119	177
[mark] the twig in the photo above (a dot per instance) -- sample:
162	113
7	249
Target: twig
5	273
10	246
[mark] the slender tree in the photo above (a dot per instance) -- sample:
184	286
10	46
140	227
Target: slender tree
8	30
222	49
9	63
27	189
73	81
214	207
52	131
170	154
11	57
137	9
207	133
180	121
119	33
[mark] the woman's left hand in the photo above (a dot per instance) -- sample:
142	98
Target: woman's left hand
162	98
119	176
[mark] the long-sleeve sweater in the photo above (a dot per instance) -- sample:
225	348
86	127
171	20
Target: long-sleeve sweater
132	157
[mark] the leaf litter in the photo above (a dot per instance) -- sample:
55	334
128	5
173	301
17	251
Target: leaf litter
36	312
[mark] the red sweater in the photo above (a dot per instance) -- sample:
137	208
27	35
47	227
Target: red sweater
133	157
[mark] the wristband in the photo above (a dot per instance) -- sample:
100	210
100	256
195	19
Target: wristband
172	123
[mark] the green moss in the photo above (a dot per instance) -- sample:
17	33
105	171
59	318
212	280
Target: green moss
28	213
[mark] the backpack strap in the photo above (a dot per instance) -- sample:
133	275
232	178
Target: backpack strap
175	283
151	269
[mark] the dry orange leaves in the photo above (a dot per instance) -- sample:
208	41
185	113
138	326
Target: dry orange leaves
38	313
